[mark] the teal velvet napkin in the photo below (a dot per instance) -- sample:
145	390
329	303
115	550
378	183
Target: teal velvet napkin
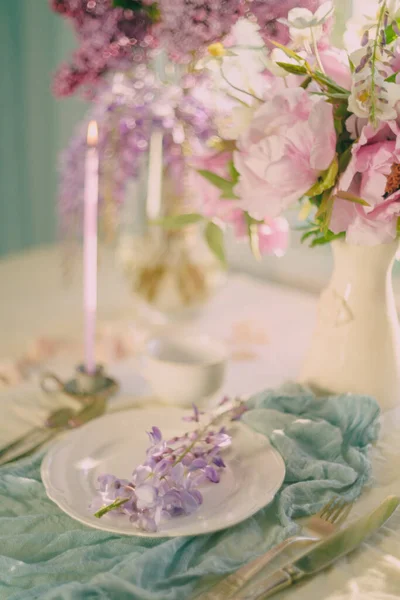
45	555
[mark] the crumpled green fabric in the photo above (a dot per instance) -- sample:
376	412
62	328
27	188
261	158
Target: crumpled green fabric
46	555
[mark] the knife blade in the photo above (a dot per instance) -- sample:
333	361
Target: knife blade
323	554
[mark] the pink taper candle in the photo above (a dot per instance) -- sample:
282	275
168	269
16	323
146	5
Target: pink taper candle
90	246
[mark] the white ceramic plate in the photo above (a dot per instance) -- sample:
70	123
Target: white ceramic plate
116	444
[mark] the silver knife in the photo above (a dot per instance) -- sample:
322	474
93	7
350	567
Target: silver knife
322	554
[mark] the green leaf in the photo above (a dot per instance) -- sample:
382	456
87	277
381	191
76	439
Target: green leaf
306	83
288	51
321	238
329	83
178	221
392	78
293	69
327	238
351	198
338	96
344	159
326	180
136	5
215	240
234	173
222	184
324	212
398	226
128	4
308	234
351	65
342	110
390	34
339	126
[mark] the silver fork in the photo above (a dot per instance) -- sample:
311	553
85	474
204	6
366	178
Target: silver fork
59	421
314	528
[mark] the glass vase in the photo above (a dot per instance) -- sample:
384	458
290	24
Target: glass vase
172	271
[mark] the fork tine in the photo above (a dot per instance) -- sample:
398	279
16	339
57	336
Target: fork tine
344	513
326	510
338	509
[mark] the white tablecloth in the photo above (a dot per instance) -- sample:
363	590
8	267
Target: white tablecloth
267	329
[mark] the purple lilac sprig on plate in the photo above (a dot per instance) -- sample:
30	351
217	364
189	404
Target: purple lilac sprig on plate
167	484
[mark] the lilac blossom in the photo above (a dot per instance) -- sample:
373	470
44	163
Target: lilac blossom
195	416
127	108
166	484
110	38
190	25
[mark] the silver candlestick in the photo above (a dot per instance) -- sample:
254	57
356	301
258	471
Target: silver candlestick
84	387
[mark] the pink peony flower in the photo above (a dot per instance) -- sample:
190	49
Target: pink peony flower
290	141
336	65
374	176
273	234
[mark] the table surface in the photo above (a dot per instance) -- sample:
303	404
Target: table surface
267	329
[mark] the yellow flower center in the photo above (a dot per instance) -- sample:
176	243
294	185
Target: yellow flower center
363	96
217	50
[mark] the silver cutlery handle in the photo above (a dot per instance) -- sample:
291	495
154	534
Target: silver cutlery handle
230	585
56	423
278	581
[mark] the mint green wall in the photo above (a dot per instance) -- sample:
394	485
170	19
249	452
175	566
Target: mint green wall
33	125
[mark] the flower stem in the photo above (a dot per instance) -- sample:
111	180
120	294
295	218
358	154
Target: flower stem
373	63
198	438
237	88
106	509
316	51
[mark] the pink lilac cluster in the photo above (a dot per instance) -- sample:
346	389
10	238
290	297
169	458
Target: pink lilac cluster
187	26
167	483
127	109
110	38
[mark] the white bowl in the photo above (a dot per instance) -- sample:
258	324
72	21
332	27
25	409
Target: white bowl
183	370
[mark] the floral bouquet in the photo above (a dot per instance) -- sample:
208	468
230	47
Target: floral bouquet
324	133
117	38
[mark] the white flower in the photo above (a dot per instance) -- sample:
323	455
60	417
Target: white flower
302	18
387	95
393	8
306	26
366	19
303	38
